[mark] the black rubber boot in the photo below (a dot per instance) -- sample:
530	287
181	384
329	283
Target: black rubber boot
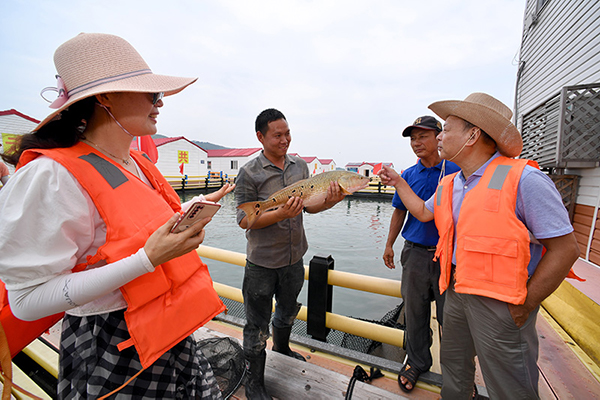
281	343
255	377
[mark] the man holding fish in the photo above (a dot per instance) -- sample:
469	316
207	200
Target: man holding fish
272	190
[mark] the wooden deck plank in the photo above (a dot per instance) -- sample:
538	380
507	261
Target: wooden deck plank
288	378
562	374
321	377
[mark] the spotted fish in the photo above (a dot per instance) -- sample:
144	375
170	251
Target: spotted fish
312	191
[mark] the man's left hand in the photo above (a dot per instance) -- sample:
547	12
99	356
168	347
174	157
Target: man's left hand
519	313
334	195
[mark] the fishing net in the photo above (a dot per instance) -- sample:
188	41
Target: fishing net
226	358
393	318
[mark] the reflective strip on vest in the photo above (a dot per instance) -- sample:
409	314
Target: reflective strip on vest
113	175
499	177
438	197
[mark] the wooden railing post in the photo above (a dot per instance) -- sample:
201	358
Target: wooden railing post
320	297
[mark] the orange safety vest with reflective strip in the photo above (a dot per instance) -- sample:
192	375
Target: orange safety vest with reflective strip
492	244
164	306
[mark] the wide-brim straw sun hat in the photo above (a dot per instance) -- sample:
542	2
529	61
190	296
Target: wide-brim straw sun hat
95	63
487	113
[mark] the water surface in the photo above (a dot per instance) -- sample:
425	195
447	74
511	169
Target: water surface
353	232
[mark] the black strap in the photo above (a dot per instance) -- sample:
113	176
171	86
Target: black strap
360	374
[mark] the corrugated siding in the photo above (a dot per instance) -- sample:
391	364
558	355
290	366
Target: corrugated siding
15	125
561	49
540	133
223	164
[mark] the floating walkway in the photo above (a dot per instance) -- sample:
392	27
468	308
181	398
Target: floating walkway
568	364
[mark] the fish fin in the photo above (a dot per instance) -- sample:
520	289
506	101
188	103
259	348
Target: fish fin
343	189
252	209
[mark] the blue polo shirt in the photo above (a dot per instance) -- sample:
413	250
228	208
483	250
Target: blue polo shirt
423	182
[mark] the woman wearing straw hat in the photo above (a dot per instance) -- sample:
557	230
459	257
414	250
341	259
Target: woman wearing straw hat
496	275
85	229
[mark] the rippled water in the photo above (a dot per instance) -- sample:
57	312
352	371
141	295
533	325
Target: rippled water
353	233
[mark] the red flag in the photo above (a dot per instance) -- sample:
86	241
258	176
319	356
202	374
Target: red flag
377	168
181	169
147	145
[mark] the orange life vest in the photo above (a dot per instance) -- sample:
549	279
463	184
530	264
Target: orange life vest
164	306
492	244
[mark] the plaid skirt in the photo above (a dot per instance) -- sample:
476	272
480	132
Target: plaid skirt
91	365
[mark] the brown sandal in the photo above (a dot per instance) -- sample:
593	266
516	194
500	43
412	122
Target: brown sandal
411	374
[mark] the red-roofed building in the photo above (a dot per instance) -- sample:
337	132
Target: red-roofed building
172	152
317	165
12	125
365	168
314	165
229	161
327	164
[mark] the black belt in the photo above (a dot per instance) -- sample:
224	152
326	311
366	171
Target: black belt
412	244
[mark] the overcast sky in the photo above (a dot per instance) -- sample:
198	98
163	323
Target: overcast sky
348	75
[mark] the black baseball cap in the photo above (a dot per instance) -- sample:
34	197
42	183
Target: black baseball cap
425	122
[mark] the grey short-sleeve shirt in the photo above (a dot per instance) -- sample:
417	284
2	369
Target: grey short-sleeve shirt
283	243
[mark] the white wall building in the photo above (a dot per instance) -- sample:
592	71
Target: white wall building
314	165
365	168
172	152
229	161
327	164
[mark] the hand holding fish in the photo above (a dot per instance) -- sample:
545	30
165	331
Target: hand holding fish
291	208
317	192
334	195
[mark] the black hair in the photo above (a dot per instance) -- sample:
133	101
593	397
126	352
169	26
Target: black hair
65	130
269	115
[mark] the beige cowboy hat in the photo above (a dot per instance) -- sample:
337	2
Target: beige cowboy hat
487	113
94	63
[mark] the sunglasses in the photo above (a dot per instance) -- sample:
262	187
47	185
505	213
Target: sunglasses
156	97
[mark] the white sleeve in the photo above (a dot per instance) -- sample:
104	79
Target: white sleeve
49	224
67	291
46	224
